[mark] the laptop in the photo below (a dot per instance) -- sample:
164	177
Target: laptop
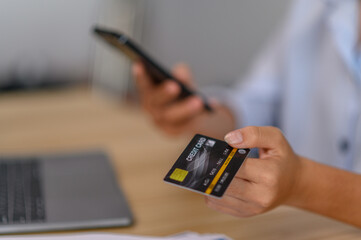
60	192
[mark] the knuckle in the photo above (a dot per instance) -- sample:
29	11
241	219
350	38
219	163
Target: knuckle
232	191
210	203
269	179
245	214
274	129
253	133
265	203
279	140
251	129
207	201
250	211
255	211
277	136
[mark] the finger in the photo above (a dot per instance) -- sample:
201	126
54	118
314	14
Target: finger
245	190
182	111
182	72
240	188
166	93
142	79
251	170
256	137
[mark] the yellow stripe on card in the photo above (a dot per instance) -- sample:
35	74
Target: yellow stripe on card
220	172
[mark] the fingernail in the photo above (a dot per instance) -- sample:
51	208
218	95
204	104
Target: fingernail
234	137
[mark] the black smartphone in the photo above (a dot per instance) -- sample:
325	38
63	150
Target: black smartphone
134	52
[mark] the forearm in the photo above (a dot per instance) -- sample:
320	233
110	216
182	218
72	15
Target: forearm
328	191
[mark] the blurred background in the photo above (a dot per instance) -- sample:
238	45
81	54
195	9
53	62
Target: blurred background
49	43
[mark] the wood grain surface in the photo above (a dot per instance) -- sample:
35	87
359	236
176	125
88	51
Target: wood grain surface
81	119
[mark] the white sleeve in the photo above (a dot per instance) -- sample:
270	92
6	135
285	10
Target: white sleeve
255	100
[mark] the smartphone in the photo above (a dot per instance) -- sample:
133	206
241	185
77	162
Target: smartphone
135	53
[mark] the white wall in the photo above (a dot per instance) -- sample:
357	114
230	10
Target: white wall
111	70
217	38
51	40
42	38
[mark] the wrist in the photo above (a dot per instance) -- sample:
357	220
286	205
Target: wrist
299	188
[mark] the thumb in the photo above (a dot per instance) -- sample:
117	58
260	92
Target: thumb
256	137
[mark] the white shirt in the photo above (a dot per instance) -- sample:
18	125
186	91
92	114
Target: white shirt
307	82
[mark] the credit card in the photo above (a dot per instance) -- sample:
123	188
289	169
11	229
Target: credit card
207	166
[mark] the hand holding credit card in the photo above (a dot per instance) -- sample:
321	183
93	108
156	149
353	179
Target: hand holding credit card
207	166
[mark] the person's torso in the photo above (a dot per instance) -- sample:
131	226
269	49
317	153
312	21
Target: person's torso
321	92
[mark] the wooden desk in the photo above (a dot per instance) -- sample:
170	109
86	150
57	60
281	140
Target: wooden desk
73	119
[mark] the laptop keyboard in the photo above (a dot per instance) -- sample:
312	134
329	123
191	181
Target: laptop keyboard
21	196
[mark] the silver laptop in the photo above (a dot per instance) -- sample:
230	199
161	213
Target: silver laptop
60	192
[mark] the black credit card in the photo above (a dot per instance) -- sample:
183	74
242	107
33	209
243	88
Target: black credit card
207	165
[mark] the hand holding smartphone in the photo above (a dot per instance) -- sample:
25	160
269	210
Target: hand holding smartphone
134	52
